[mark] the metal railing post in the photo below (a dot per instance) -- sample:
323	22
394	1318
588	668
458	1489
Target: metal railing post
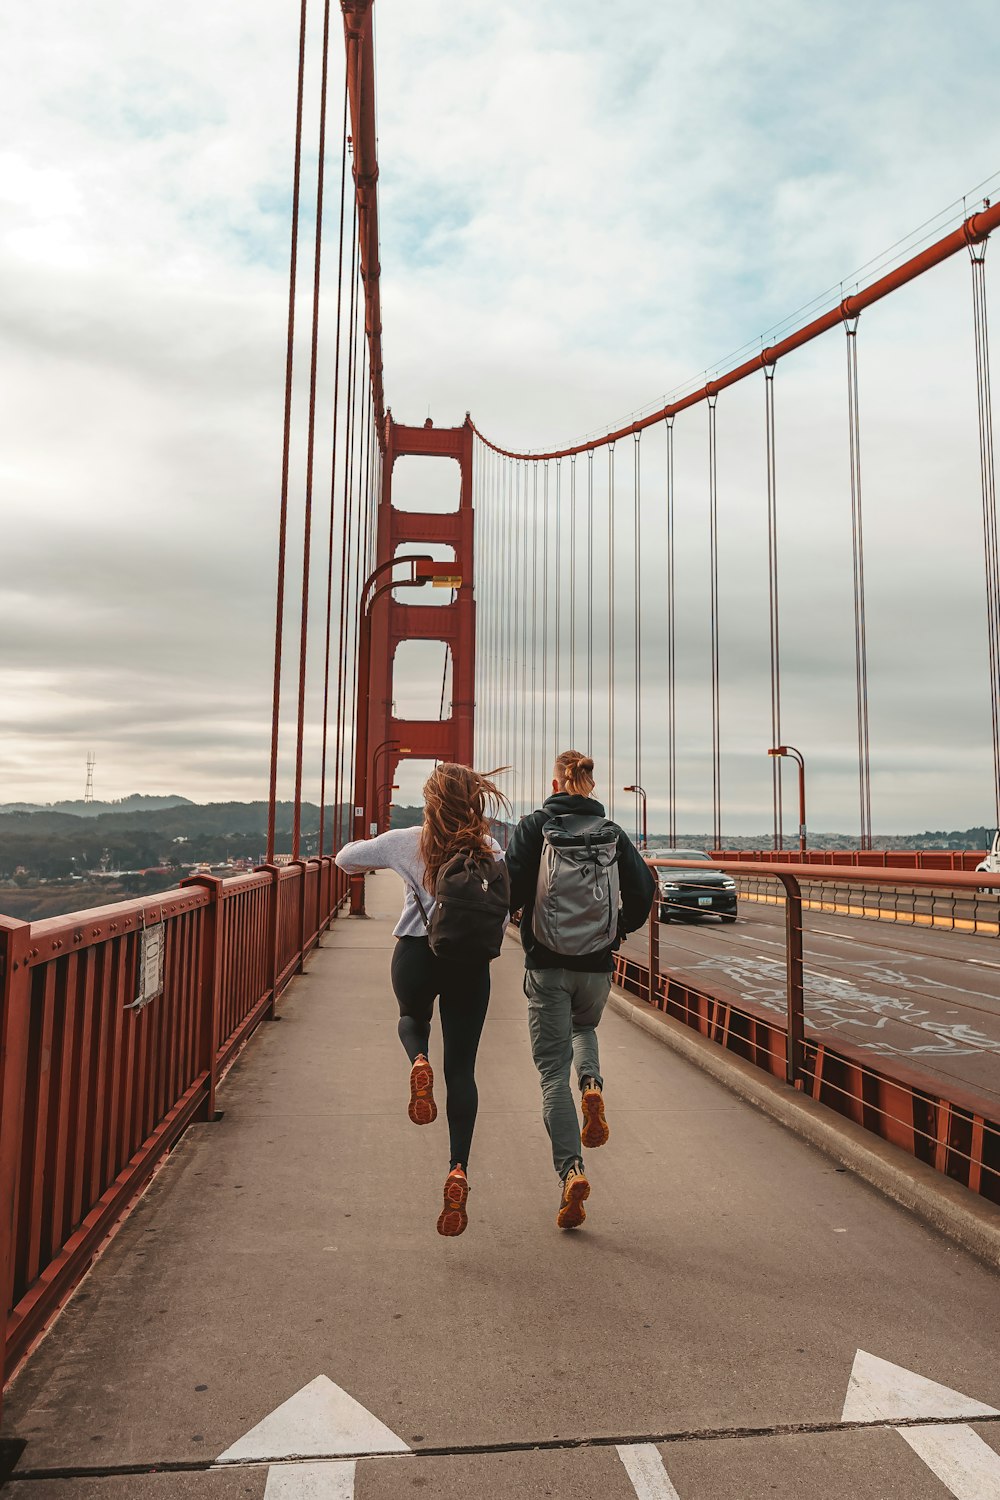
15	1008
795	1047
272	935
653	988
210	993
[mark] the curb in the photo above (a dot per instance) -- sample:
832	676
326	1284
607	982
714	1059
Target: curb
944	1205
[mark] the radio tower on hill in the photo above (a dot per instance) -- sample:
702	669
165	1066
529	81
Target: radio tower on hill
88	795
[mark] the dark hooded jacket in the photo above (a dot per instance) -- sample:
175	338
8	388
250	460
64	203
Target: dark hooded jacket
524	854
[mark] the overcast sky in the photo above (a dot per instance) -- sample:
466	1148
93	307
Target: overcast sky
581	209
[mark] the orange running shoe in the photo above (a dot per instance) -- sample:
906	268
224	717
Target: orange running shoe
452	1219
594	1131
576	1190
422	1108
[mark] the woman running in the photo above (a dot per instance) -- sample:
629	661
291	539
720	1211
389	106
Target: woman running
457	805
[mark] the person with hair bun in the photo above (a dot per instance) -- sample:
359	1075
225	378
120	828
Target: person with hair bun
458	805
581	885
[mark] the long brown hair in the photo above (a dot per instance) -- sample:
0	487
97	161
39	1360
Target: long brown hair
575	771
458	804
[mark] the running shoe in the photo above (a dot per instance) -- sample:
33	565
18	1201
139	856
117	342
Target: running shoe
594	1131
422	1108
452	1219
575	1192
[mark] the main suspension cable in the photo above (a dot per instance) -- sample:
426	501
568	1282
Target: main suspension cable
671	646
637	638
611	630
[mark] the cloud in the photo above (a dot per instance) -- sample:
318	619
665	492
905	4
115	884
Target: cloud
577	215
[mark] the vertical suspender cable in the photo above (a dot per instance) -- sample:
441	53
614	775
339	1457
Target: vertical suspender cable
858	550
989	492
347	534
713	514
310	442
286	443
524	772
572	600
514	623
558	654
333	488
360	344
340	783
544	744
611	630
671	647
590	602
532	740
637	633
772	575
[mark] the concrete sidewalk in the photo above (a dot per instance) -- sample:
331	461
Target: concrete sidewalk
703	1324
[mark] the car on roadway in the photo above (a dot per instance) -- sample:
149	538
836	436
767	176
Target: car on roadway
687	890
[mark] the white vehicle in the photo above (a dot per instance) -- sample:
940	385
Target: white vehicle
991	864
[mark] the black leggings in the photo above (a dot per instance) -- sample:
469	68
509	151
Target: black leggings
417	977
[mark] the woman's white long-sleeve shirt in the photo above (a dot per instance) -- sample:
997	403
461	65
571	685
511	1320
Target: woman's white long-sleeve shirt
398	850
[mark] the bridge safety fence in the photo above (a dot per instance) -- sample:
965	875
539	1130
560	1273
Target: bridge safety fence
952	1127
116	1026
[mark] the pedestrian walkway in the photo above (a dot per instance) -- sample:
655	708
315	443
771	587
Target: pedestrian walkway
279	1308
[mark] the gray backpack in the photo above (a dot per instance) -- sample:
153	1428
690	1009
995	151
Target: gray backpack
578	892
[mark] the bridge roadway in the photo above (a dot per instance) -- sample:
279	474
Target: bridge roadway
926	996
695	1339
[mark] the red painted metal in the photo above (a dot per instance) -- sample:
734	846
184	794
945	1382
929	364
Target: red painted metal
361	90
974	229
385	628
887	859
958	1133
94	1093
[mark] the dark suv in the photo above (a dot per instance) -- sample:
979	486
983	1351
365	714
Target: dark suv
684	887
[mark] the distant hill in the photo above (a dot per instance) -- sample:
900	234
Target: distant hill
137	802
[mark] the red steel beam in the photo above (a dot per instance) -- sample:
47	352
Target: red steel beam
361	92
974	229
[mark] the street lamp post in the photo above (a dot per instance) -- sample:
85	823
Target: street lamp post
796	755
423	569
640	793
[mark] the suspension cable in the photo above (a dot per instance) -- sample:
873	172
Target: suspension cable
344	825
713	523
772	576
572	600
987	469
544	745
858	557
558	652
532	741
671	646
590	602
279	615
611	630
637	637
333	461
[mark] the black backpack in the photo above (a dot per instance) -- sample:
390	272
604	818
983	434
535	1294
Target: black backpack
472	893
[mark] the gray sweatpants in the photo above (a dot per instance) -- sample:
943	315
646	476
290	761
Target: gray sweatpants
564	1008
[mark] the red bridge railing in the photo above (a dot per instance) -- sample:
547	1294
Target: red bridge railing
95	1087
957	1131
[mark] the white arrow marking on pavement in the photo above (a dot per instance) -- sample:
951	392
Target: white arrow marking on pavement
319	1421
333	1481
956	1455
644	1467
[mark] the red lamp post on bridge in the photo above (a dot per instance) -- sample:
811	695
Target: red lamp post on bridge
796	755
640	793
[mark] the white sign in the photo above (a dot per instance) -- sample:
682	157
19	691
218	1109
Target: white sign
968	1467
372	829
359	812
150	976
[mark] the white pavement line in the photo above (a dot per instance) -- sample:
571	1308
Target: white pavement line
959	1458
881	1391
333	1481
956	1455
319	1420
644	1467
